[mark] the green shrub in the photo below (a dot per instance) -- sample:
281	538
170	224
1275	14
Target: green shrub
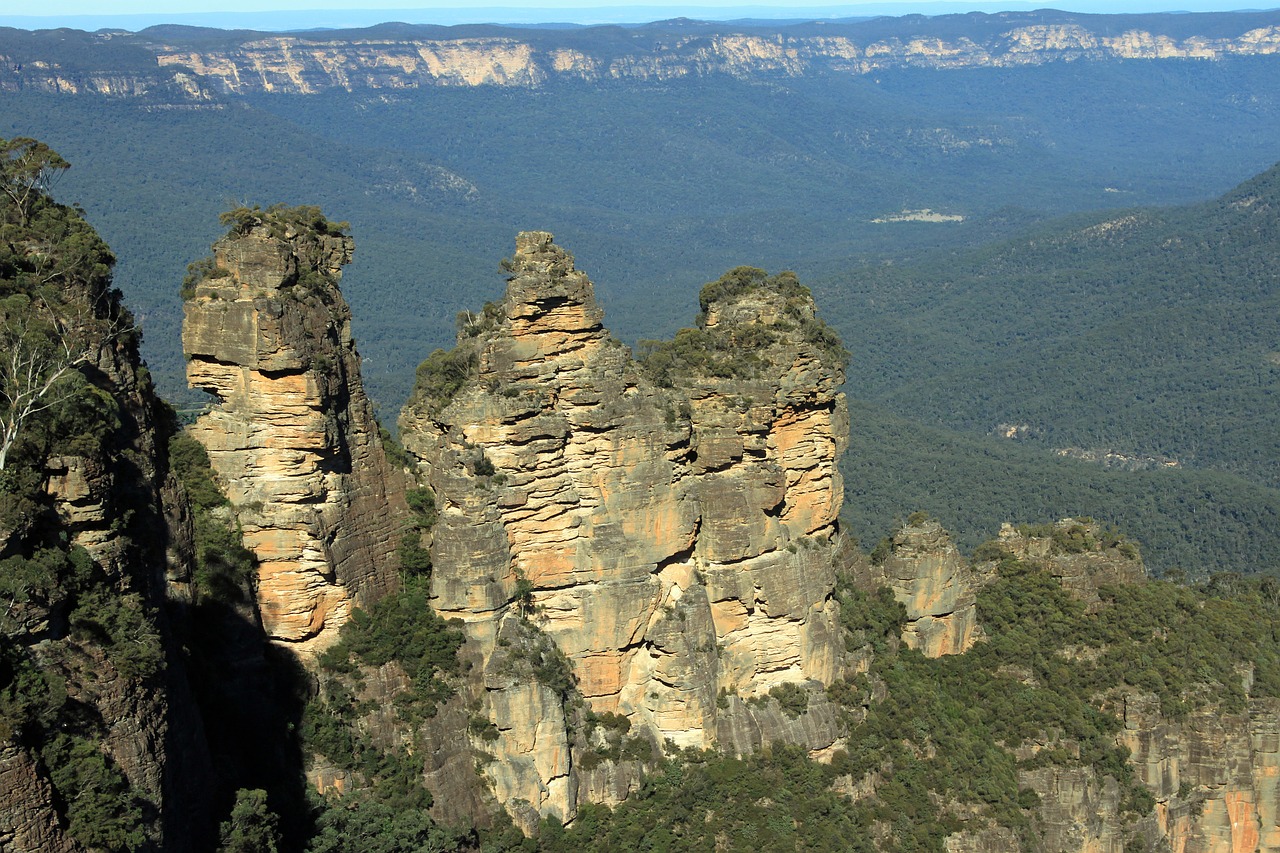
792	698
124	629
101	813
198	271
280	218
442	375
415	561
482	727
423	504
252	827
732	350
990	551
401	627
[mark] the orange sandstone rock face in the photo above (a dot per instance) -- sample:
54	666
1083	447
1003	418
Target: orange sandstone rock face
676	543
937	587
292	436
1214	774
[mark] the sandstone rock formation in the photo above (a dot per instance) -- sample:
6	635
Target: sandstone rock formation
292	435
675	543
419	58
1077	552
1215	775
935	584
200	72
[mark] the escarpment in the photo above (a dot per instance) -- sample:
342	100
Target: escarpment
935	584
101	743
292	435
670	527
390	60
1214	772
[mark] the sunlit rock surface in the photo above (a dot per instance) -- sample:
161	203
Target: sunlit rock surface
675	542
292	435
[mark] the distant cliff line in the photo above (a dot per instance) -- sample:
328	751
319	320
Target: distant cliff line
198	64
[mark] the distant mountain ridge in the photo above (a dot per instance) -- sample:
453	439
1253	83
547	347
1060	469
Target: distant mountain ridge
191	63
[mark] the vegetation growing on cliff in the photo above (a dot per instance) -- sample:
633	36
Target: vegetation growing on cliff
224	567
77	629
281	221
783	313
403	630
304	225
939	741
938	737
442	375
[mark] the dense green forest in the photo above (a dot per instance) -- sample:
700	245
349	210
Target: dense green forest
1147	332
1195	521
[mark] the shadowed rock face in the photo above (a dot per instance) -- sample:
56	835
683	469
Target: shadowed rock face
292	435
676	543
89	668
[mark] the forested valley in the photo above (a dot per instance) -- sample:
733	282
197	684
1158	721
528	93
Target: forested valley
1057	288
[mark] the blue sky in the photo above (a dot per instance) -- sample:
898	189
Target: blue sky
288	14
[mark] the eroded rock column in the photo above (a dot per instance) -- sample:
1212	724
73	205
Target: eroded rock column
674	540
292	435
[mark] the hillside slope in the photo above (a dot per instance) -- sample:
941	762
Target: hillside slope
1150	333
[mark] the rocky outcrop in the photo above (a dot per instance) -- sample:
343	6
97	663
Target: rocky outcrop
675	543
392	58
1076	551
292	435
1078	810
29	820
935	584
1215	775
938	587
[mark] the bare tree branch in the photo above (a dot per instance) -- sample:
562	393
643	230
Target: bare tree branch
40	350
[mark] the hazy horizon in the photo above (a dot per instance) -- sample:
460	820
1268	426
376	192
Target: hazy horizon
326	14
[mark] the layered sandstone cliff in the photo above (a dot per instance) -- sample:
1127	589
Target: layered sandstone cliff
1215	774
675	543
292	435
1213	770
304	65
935	584
394	58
